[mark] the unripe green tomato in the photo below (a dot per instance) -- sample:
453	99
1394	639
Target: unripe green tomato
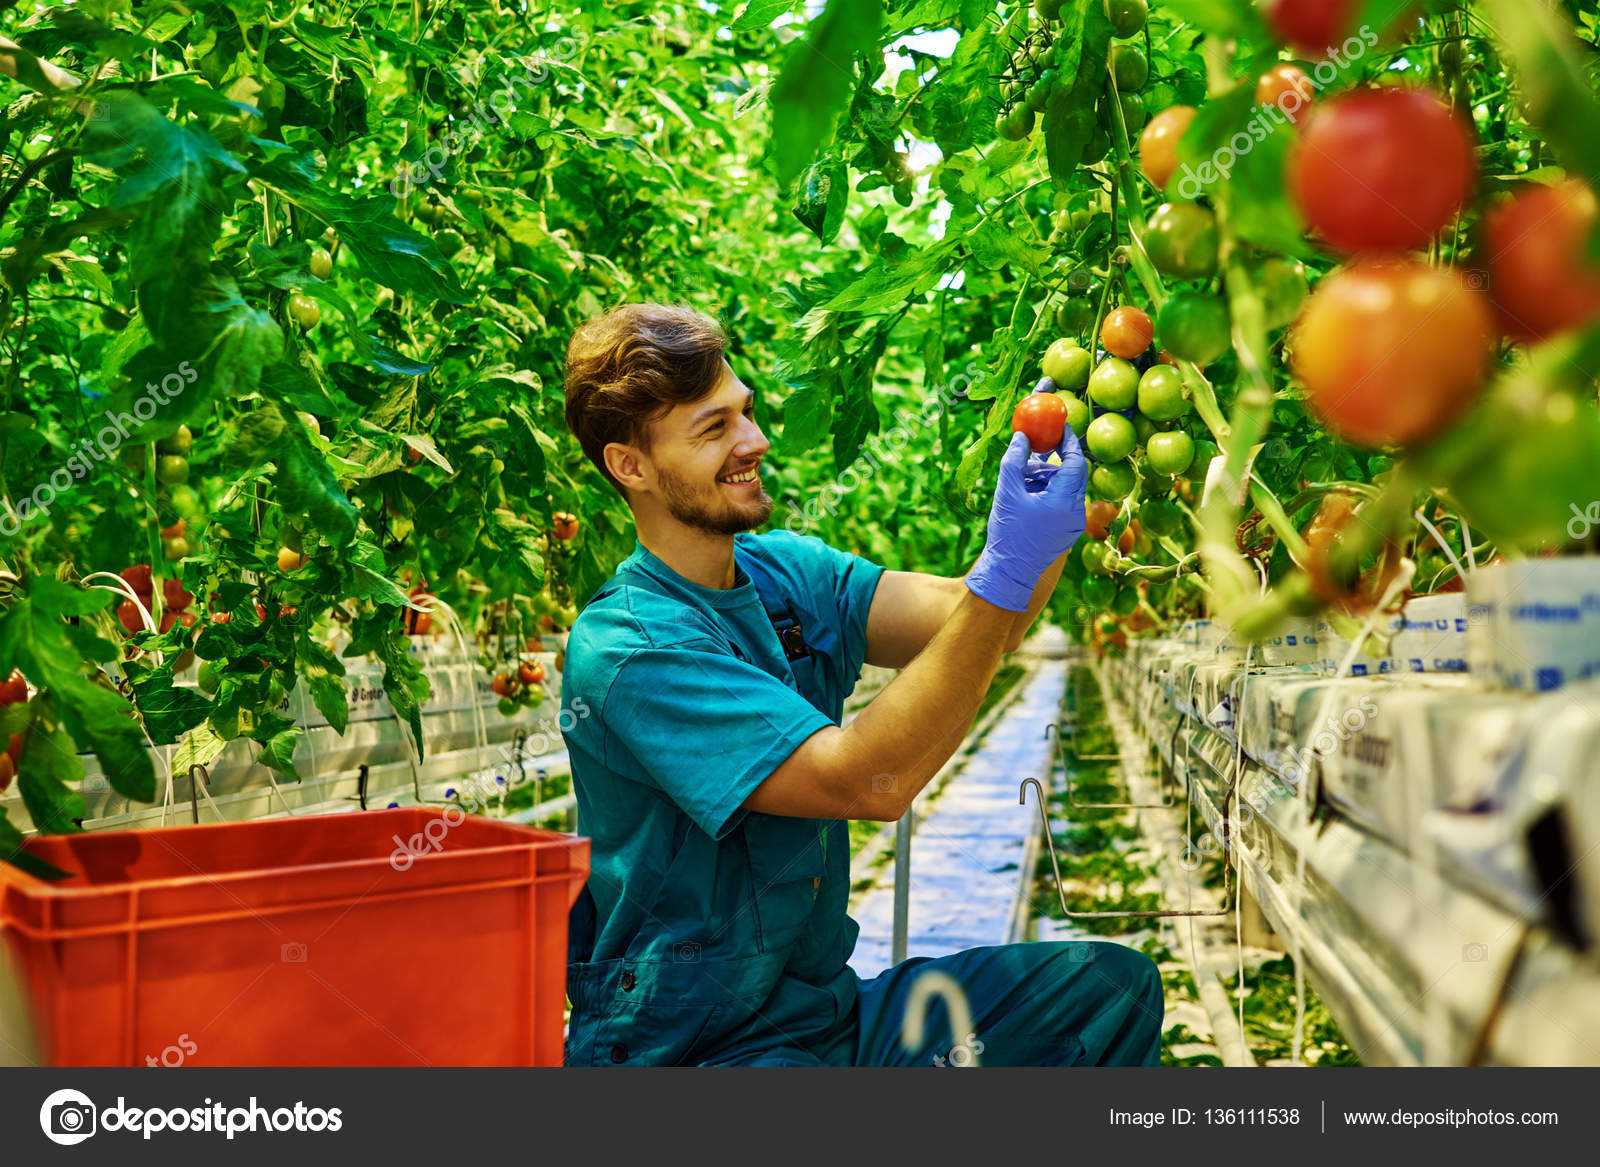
1169	453
1111	437
1127	16
1047	9
1112	481
1125	602
533	696
508	706
172	469
173	550
1077	412
448	242
1075	316
1161	394
1144	427
1068	365
207	676
321	264
305	311
1182	240
1114	384
180	442
1129	67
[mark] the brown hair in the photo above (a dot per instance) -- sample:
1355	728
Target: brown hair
631	366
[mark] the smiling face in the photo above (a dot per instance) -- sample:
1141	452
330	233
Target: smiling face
705	460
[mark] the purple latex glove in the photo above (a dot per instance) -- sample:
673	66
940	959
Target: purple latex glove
1037	516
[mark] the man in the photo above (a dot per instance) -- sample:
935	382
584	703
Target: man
712	774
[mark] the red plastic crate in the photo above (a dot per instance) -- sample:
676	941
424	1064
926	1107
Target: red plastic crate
306	941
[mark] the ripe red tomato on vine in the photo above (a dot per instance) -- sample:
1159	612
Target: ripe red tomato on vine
1127	332
1535	248
1043	417
1381	170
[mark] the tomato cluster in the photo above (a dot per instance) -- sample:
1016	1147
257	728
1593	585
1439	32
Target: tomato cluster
521	686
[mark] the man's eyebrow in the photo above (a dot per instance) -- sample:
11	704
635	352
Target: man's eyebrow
711	411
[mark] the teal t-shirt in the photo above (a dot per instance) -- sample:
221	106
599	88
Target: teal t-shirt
705	927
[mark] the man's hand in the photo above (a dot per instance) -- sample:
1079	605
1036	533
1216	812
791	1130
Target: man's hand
1036	517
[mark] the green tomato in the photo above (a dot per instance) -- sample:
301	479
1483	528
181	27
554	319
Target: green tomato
1039	92
1113	480
1160	516
1127	16
1017	124
1094	555
179	443
507	706
1077	412
448	242
207	676
1129	67
321	263
1161	395
172	469
533	696
1194	326
1047	9
1283	287
1114	384
1169	452
1111	437
1075	316
1144	427
1098	590
1125	602
1068	365
1182	241
1133	114
305	310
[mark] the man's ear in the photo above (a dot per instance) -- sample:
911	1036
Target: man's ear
624	463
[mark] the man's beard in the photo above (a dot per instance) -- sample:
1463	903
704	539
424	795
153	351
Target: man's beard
684	505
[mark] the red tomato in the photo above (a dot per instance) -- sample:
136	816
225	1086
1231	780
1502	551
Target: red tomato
1043	417
1127	332
1534	246
128	615
1288	87
530	673
1126	540
222	617
1311	26
566	525
502	684
1158	145
289	560
1392	350
169	618
1100	512
175	531
1381	170
14	748
173	595
8	771
14	689
138	578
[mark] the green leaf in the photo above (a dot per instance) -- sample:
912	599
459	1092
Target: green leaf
820	204
807	414
54	598
995	245
817	79
168	710
759	14
324	674
306	485
1220	17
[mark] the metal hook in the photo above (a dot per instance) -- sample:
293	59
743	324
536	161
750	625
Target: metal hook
934	983
361	784
1061	752
194	781
518	740
1049	838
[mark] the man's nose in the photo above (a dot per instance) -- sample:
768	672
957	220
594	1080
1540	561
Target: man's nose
751	442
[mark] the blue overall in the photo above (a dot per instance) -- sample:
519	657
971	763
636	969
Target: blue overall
713	935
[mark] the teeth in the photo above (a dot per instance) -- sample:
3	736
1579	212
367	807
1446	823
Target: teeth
747	476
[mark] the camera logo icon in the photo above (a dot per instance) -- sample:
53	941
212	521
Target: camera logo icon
294	952
67	1117
1474	952
686	951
